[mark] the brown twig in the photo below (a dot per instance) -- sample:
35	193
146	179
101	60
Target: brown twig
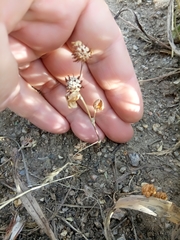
148	37
161	77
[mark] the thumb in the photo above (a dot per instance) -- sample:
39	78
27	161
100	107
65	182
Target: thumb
9	75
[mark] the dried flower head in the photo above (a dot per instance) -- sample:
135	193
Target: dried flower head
73	87
81	52
98	105
73	83
148	190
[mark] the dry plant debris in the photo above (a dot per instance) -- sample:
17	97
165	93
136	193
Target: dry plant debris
15	227
168	151
25	198
73	86
153	203
173	28
149	190
81	53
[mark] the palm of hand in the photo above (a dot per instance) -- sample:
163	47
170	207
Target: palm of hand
41	45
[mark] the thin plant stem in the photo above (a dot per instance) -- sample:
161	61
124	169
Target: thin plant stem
81	69
92	119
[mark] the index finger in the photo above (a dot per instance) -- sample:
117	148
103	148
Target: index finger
110	63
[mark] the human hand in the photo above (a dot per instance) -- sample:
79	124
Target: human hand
40	36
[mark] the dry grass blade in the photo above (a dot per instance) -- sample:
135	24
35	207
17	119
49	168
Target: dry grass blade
147	37
34	210
5	203
23	158
177	71
165	152
14	228
51	176
170	26
152	206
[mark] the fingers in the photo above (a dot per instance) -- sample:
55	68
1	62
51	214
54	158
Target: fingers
21	52
48	24
20	97
110	64
109	74
12	11
9	75
38	76
28	103
60	64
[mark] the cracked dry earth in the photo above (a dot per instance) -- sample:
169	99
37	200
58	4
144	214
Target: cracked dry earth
76	206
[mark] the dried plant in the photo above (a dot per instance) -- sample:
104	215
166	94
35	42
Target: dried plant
153	203
149	190
81	53
73	87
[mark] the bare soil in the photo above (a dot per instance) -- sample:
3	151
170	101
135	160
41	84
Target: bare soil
110	170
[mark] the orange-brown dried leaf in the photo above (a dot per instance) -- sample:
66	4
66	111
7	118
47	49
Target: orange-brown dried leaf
98	105
148	190
161	195
81	52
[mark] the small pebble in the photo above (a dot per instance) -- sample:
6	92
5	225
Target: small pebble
139	128
99	154
122	237
156	127
103	150
22	172
3	159
134	159
72	193
176	153
171	119
98	224
122	169
24	130
135	47
64	233
167	225
125	189
94	177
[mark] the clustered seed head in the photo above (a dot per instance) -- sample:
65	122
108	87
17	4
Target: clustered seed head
73	84
81	52
73	87
149	190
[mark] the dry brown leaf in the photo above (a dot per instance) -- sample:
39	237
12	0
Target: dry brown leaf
34	209
148	190
152	206
15	227
78	156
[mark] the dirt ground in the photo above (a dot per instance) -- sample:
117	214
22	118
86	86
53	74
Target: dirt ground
111	170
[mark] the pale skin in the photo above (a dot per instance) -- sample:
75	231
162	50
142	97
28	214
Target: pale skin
35	53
